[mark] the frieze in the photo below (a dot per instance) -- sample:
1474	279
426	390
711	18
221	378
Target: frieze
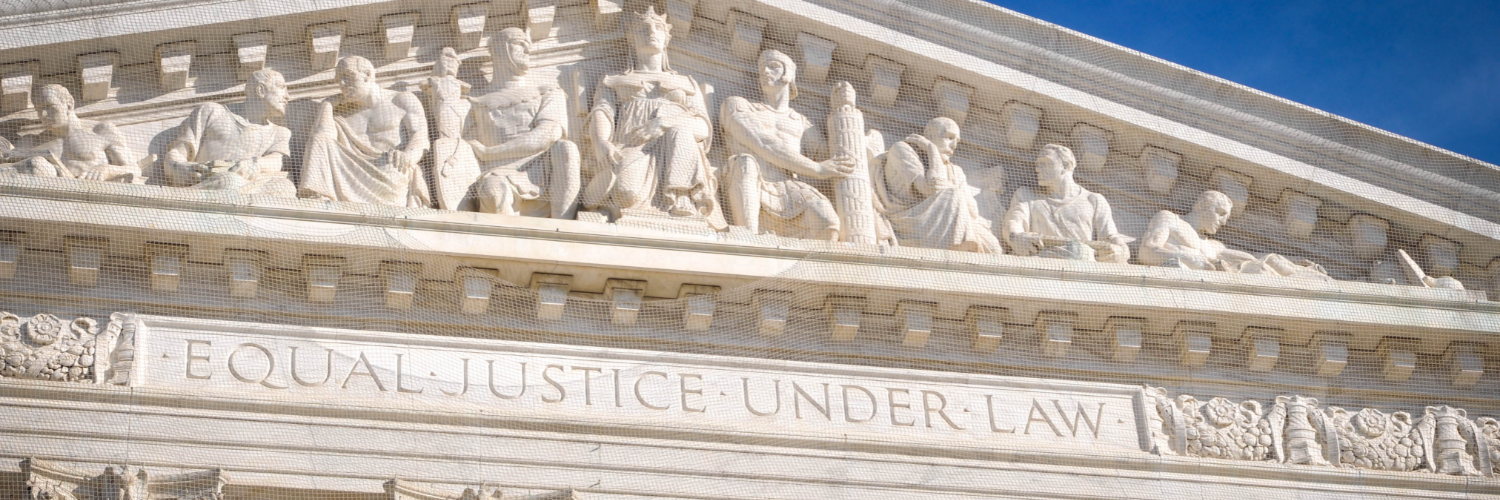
1298	430
45	347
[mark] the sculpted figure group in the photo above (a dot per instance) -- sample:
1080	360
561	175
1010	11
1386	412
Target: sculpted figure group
639	148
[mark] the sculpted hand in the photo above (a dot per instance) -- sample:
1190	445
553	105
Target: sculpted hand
245	168
100	173
919	140
838	167
1027	241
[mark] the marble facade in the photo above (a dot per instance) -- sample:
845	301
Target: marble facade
556	249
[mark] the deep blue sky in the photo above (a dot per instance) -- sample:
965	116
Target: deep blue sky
1429	70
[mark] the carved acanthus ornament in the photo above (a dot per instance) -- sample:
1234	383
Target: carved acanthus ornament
400	489
46	480
44	347
1295	430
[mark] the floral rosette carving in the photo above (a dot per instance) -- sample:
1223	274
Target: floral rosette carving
1221	428
1372	439
45	347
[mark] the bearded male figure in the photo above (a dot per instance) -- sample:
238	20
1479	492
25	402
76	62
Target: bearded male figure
930	203
68	146
650	133
518	134
219	149
766	140
1059	218
367	143
1181	241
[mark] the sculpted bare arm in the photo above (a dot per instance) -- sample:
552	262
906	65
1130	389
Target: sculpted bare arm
742	127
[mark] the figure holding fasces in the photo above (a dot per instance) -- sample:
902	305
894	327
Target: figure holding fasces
650	133
518	135
219	149
367	143
68	146
1059	218
766	140
931	203
1181	241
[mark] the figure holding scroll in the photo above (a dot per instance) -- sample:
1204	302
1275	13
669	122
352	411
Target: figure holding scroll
218	149
1061	219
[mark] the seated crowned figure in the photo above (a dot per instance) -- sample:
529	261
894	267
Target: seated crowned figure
367	143
219	149
930	203
1182	242
70	146
649	131
1059	218
517	132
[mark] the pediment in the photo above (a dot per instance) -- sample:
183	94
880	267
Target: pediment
1152	135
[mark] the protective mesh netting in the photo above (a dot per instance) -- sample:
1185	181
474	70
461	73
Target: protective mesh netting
1310	208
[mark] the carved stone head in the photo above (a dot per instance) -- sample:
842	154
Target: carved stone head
511	51
649	32
54	105
268	87
1210	212
943	132
356	78
777	70
1054	166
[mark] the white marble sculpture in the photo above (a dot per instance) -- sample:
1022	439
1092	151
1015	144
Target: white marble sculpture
220	149
1061	219
1183	242
517	131
650	133
69	146
367	143
766	140
860	220
930	203
453	166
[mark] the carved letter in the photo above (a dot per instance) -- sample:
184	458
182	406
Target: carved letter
1073	426
797	402
192	357
270	366
989	404
890	398
874	406
561	393
497	393
369	370
1036	409
682	384
745	382
327	369
400	375
588	388
642	398
466	382
927	409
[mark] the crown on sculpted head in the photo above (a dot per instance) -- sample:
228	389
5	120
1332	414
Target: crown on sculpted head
651	17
